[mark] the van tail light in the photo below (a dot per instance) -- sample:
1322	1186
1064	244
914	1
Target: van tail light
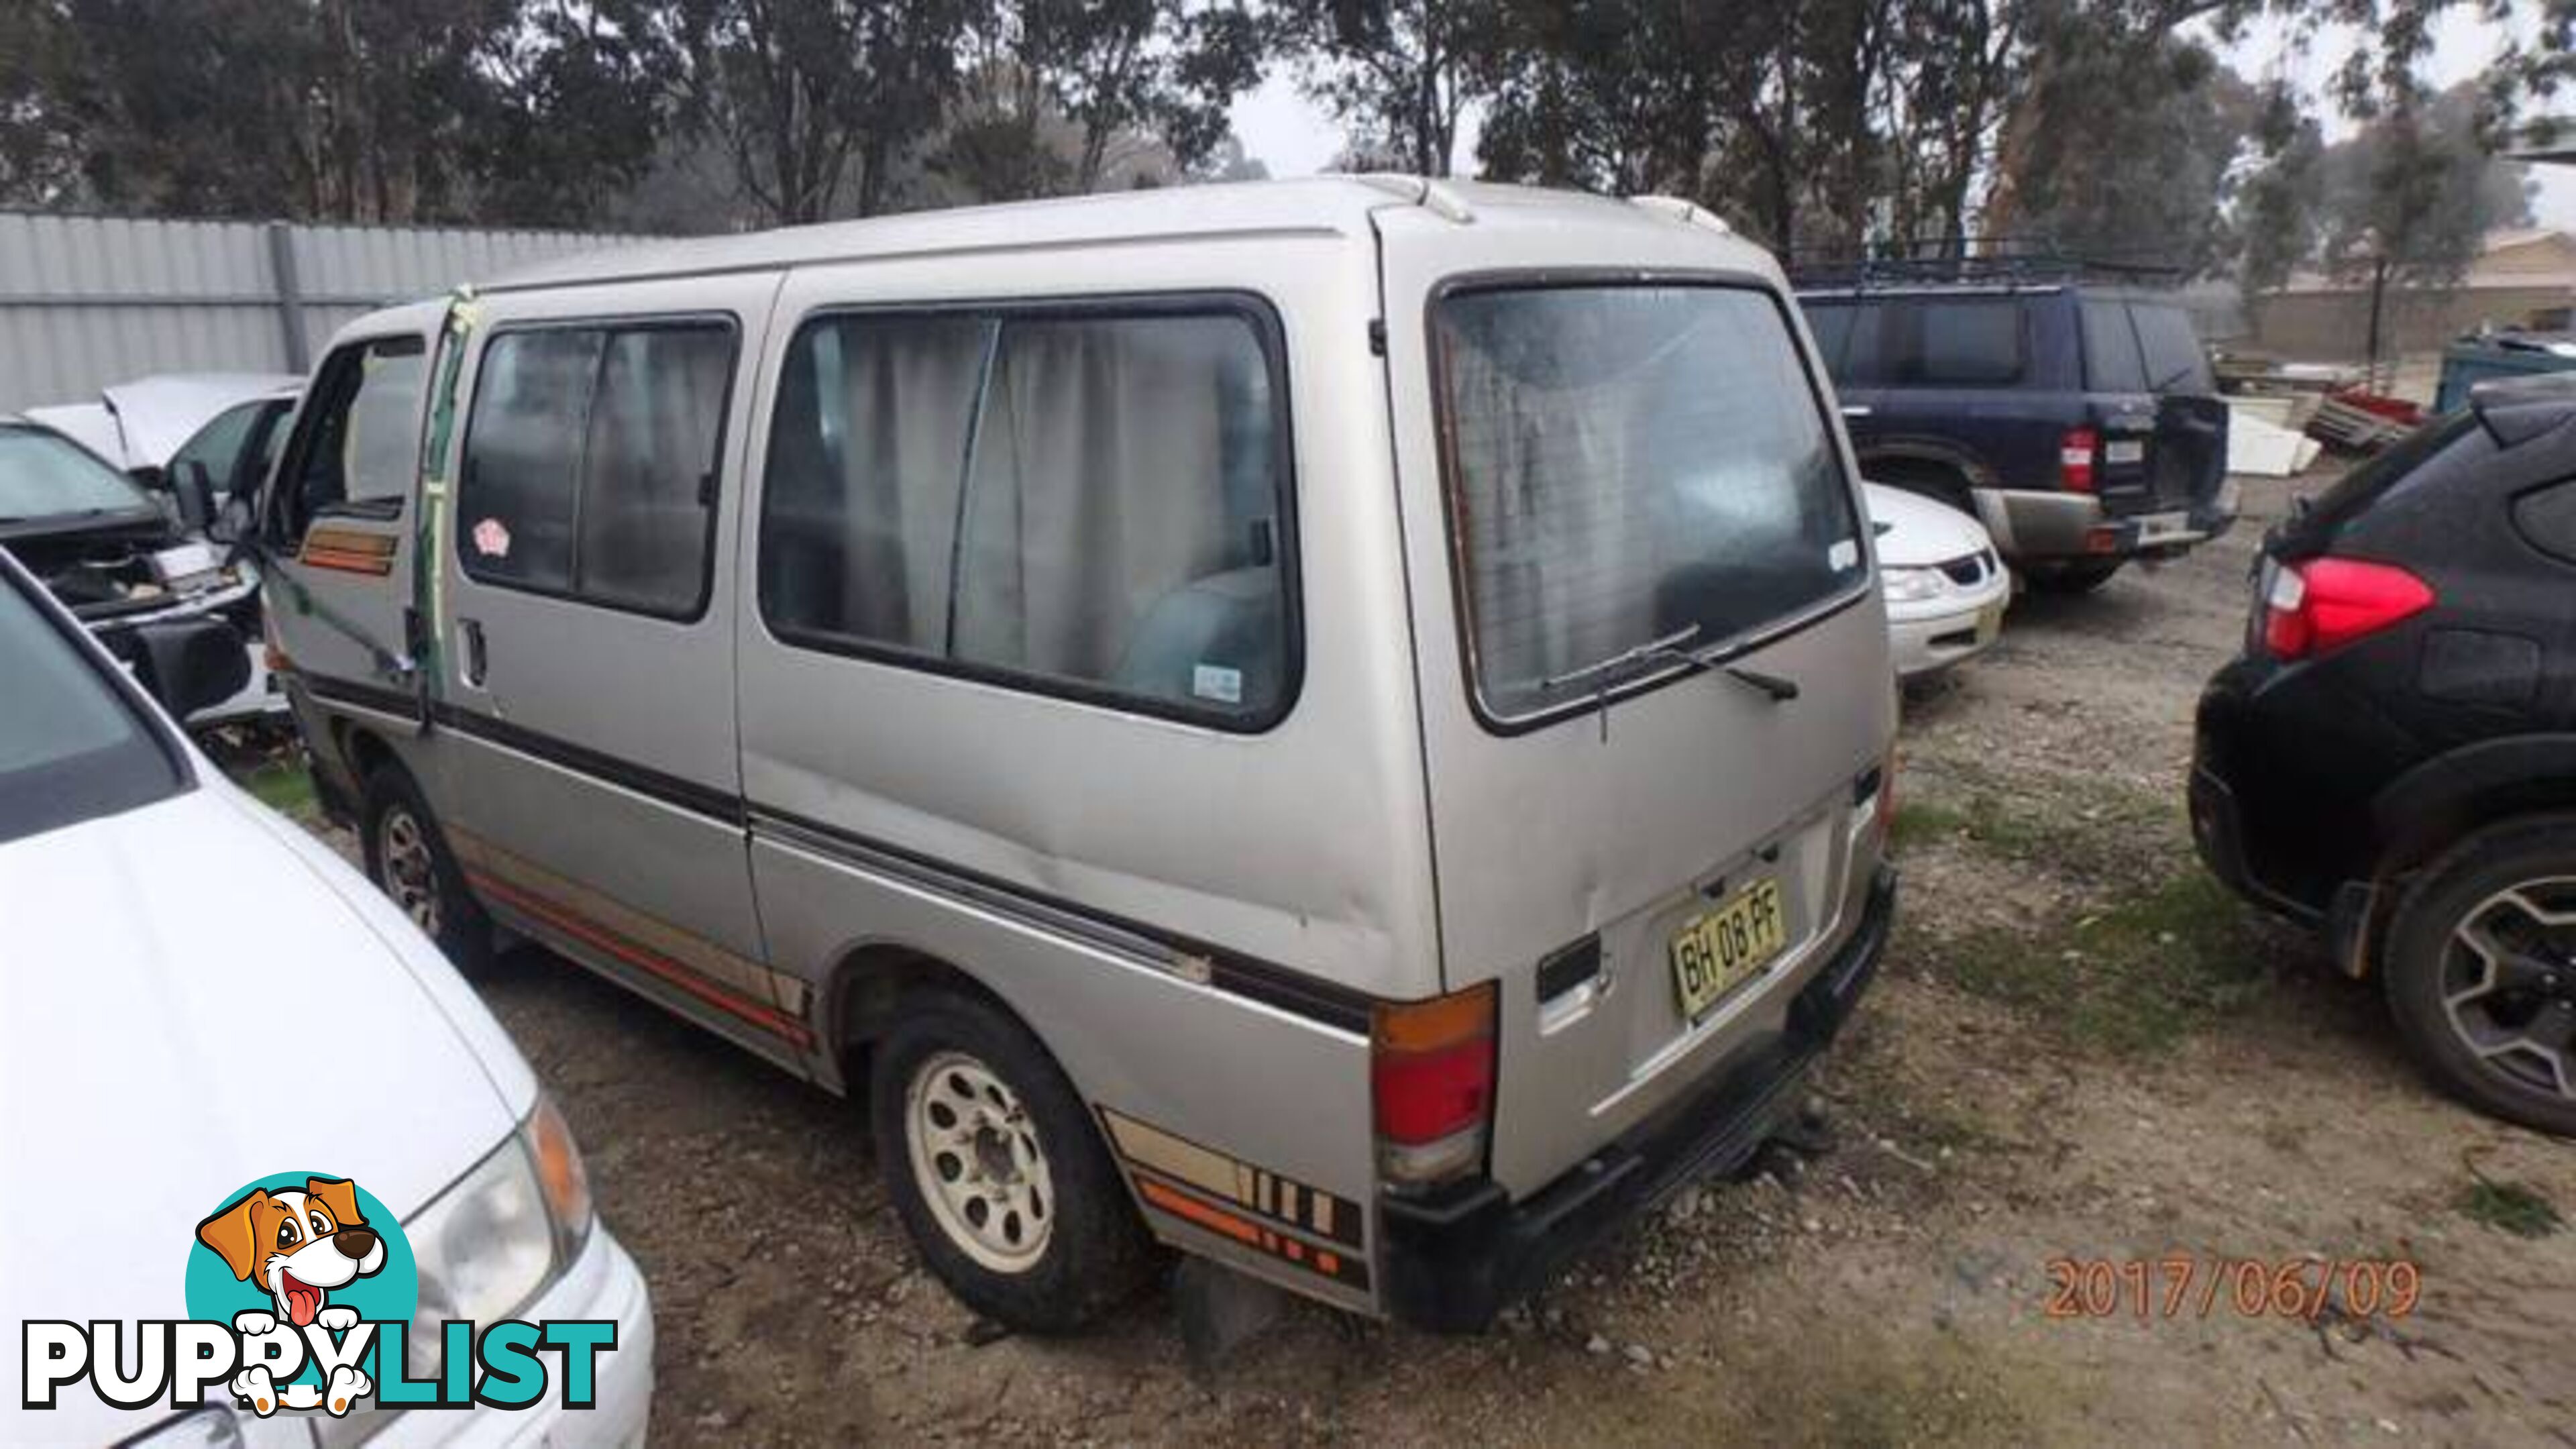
2319	606
1431	1070
2075	459
1874	791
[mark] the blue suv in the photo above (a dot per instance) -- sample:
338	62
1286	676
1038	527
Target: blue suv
2079	421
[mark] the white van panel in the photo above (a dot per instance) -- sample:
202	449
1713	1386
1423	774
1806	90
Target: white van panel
1319	858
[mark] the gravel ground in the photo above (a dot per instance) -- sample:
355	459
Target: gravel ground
2079	1050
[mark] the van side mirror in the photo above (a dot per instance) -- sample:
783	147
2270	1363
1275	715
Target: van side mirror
188	664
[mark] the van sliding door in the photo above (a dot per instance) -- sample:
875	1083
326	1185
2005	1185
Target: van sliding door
588	630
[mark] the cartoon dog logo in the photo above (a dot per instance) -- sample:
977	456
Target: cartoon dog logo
296	1245
299	1246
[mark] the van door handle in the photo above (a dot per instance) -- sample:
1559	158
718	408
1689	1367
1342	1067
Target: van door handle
1856	410
474	660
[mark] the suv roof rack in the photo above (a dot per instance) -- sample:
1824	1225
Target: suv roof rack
1989	261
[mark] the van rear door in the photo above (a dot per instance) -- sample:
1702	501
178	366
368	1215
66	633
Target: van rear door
1631	519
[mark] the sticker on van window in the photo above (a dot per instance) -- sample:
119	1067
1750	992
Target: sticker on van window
491	539
1842	555
1212	681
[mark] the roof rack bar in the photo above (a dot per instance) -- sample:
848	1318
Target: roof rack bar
1997	260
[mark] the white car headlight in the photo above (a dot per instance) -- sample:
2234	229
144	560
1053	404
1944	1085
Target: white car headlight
500	1233
1910	586
485	1247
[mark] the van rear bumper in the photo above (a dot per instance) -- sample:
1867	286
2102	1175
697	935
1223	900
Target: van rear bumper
1453	1260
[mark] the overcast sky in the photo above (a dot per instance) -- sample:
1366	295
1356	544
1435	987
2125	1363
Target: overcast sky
1294	138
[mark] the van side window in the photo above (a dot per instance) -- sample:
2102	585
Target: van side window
361	449
590	463
1092	502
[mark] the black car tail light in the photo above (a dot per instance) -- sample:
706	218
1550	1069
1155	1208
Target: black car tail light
2323	604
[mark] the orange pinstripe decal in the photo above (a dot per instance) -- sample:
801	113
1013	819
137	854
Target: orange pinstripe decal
1199	1213
347	563
661	966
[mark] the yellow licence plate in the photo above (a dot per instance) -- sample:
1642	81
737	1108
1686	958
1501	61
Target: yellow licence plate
1719	950
1990	622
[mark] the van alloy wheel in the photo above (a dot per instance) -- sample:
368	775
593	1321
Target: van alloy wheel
2509	983
977	1160
409	870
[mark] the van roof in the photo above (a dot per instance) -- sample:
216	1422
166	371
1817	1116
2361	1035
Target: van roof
1319	206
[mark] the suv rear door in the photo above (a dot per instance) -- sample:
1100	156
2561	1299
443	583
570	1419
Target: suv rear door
2145	364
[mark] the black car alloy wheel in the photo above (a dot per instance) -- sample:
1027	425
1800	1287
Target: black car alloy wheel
2509	983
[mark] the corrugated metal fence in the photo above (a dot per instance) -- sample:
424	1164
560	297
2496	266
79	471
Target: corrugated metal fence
90	300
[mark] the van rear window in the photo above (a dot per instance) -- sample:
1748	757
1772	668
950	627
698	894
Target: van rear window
1631	464
1084	501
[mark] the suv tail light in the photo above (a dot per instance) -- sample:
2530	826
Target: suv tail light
1431	1070
2319	606
2075	459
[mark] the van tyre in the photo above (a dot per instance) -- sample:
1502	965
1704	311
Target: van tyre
2481	971
408	859
995	1166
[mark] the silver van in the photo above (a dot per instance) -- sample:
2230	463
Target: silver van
1339	725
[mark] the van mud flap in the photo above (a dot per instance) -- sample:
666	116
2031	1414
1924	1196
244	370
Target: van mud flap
1455	1258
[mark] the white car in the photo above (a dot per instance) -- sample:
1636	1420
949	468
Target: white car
168	1036
1946	587
155	426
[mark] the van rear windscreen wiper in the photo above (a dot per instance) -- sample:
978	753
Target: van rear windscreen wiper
1669	649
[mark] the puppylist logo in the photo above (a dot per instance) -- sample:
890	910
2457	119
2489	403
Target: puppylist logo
302	1293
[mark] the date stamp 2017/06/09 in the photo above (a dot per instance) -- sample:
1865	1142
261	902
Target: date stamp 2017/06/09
2186	1285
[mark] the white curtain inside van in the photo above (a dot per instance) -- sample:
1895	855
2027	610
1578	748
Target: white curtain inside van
1118	522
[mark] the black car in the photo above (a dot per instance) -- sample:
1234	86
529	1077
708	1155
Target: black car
2079	421
2393	758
